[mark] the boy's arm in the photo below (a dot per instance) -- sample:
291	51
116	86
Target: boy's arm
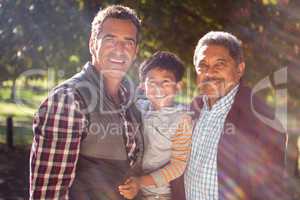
181	144
58	127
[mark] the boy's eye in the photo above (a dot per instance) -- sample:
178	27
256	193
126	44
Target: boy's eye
164	83
167	83
151	83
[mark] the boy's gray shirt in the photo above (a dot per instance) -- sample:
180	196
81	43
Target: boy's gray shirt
159	127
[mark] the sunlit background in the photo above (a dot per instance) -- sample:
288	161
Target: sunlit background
44	42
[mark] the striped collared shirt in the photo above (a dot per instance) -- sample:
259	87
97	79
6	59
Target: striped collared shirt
201	180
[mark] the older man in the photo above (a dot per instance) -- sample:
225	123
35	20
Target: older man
87	133
234	154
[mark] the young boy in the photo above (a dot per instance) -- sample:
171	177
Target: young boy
168	129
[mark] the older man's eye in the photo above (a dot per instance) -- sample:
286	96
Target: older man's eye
219	65
202	67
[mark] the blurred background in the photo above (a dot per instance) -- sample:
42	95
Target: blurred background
45	42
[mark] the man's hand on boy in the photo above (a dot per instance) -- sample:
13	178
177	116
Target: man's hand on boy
130	188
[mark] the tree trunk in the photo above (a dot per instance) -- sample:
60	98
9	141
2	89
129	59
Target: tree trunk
13	90
56	76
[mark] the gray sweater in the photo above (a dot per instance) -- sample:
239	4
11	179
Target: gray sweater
161	130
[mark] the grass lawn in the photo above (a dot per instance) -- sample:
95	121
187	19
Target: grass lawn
22	111
22	135
22	118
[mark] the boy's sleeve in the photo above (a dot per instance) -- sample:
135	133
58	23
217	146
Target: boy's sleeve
181	144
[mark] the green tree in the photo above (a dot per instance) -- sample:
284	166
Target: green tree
42	35
54	34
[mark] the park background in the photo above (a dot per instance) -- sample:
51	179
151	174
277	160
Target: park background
45	42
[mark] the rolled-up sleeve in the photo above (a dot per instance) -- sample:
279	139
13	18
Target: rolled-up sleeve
181	144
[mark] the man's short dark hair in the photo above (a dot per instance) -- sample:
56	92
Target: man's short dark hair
117	12
225	39
163	60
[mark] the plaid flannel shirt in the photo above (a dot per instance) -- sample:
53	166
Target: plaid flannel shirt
58	127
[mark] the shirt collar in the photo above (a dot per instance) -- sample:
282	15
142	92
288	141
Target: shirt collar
147	107
124	92
223	104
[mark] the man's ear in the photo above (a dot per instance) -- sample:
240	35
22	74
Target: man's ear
92	46
241	69
136	51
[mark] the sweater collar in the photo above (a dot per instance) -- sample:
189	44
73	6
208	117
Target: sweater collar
90	72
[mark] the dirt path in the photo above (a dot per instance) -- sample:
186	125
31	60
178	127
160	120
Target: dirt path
14	168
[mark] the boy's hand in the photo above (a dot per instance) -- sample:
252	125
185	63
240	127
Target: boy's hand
130	188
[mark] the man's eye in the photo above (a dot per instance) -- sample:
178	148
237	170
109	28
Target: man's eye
203	67
109	40
129	43
220	64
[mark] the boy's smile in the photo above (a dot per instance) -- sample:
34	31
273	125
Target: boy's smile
160	87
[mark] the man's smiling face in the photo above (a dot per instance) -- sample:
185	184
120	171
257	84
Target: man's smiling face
217	71
115	47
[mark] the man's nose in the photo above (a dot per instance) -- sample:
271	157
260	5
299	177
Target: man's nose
159	89
210	72
119	46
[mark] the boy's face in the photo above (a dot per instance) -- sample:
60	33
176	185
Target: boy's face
161	87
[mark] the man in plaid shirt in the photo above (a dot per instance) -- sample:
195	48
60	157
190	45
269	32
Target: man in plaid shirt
234	154
87	133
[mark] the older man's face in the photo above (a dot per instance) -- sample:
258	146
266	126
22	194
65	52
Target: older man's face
115	48
217	71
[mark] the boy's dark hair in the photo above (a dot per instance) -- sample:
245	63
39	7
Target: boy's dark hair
165	61
117	12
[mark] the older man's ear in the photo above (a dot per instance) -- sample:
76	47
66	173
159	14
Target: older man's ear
241	70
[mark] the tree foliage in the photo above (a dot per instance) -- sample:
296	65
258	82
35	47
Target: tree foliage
41	35
54	34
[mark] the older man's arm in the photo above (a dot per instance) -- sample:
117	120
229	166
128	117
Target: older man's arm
272	182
